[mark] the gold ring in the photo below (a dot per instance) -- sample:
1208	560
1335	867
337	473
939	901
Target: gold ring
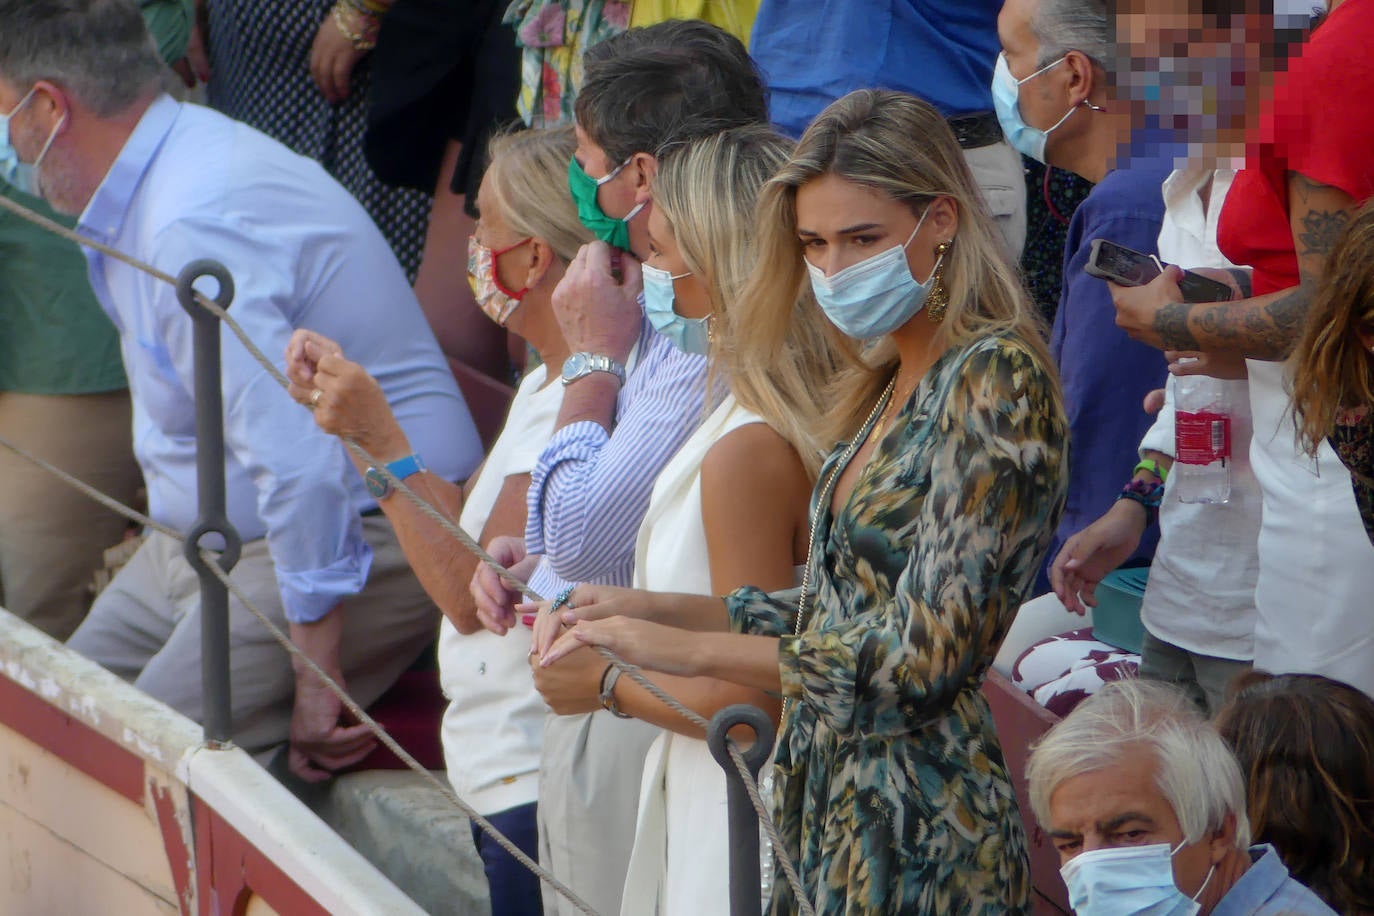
315	397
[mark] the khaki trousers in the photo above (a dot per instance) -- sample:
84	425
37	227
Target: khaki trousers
146	628
51	536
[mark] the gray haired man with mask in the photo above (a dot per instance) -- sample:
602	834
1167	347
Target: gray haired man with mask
1146	805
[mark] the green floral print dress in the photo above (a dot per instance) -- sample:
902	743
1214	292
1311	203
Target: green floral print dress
890	790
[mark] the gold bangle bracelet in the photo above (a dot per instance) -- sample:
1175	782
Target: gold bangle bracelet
361	41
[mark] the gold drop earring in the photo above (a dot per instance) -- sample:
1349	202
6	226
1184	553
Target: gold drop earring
938	301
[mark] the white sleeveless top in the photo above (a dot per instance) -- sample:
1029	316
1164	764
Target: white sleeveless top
680	862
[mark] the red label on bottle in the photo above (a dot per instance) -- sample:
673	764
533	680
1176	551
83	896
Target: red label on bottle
1202	437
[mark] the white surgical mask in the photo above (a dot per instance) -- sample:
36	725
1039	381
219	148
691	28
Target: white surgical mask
1128	881
875	296
20	174
1006	99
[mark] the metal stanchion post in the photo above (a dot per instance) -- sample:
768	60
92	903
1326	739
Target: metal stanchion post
745	887
213	517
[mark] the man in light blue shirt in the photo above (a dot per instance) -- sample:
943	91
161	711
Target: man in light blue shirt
1145	804
170	183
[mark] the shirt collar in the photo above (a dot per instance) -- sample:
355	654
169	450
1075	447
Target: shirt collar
104	215
1261	881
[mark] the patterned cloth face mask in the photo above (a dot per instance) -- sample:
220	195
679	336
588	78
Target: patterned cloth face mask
690	335
493	298
583	187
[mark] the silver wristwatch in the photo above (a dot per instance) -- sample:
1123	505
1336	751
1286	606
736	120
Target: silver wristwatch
581	365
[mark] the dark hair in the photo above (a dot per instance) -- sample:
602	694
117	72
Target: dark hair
97	50
1306	744
672	82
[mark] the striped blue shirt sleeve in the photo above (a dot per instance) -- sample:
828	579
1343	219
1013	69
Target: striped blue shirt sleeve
591	488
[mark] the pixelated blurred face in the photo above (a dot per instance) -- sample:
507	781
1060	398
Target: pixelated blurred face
1187	71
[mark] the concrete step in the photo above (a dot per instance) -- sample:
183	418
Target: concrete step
413	834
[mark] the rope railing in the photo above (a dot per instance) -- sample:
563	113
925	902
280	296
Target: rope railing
633	672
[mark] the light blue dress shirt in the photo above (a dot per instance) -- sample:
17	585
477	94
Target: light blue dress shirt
1266	889
191	183
590	490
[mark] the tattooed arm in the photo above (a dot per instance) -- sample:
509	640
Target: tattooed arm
1263	327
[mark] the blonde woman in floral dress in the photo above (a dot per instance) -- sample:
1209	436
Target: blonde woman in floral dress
929	522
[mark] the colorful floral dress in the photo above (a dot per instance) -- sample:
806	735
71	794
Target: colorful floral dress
554	34
890	790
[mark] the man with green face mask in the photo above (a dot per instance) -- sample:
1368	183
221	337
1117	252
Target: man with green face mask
632	399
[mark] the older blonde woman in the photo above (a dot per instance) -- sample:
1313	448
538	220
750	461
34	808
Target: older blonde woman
493	729
928	524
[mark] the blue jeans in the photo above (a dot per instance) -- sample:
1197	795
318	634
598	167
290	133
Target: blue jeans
514	889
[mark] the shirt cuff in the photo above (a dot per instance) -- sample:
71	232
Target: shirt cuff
308	596
575	442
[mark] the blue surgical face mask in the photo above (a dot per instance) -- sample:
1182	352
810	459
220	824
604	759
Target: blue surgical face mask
1006	99
691	335
1128	880
20	174
875	296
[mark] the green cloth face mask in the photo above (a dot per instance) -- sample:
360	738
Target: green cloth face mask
583	187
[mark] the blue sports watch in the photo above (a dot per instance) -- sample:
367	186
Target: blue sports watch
378	484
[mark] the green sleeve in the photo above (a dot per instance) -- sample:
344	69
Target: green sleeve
169	21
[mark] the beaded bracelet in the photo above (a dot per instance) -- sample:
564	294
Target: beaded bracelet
1149	495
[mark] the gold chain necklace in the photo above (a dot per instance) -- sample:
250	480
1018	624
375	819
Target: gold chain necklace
824	501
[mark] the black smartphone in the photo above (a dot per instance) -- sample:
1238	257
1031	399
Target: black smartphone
1128	267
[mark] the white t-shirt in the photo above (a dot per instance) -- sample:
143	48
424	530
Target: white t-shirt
493	728
1201	590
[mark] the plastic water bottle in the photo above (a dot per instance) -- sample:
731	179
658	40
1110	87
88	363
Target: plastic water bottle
1202	440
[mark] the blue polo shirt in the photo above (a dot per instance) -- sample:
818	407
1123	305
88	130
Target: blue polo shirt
812	52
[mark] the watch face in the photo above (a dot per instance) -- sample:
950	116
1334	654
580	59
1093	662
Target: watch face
377	485
575	365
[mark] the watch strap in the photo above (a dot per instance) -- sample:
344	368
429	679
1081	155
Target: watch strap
404	467
380	486
607	693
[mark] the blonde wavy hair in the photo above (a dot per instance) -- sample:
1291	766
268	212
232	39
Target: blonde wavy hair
900	146
528	171
1330	366
707	191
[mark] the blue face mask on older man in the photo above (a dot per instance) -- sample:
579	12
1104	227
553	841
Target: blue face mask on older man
20	174
1128	880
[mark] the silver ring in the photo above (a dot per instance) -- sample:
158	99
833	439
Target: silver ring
315	397
564	599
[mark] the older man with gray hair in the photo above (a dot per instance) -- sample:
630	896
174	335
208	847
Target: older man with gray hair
1146	805
88	123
